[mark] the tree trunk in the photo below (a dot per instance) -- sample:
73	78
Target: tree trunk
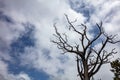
86	75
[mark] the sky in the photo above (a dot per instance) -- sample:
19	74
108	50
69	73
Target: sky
26	28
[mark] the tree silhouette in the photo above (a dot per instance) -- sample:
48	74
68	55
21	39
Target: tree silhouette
116	69
89	60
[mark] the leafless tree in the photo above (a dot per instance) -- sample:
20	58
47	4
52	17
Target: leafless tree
89	60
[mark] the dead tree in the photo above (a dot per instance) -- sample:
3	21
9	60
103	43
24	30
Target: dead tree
89	60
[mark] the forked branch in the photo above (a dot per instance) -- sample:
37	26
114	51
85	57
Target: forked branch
89	60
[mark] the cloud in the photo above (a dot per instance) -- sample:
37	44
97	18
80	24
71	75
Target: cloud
43	14
6	75
52	63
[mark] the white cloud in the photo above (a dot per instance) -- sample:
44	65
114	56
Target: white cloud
6	75
107	11
37	59
43	13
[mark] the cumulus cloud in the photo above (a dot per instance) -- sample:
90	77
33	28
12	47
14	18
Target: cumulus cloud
43	14
6	75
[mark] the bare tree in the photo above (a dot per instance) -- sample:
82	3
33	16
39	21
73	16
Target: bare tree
89	60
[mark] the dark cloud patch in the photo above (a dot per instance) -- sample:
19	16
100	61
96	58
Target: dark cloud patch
60	71
2	77
1	4
5	18
46	53
3	45
63	58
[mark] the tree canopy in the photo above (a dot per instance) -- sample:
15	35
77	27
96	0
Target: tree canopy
116	69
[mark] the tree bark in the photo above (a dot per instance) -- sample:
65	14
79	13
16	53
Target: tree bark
86	75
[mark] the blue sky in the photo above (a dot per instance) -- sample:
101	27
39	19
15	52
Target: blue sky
26	30
17	48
